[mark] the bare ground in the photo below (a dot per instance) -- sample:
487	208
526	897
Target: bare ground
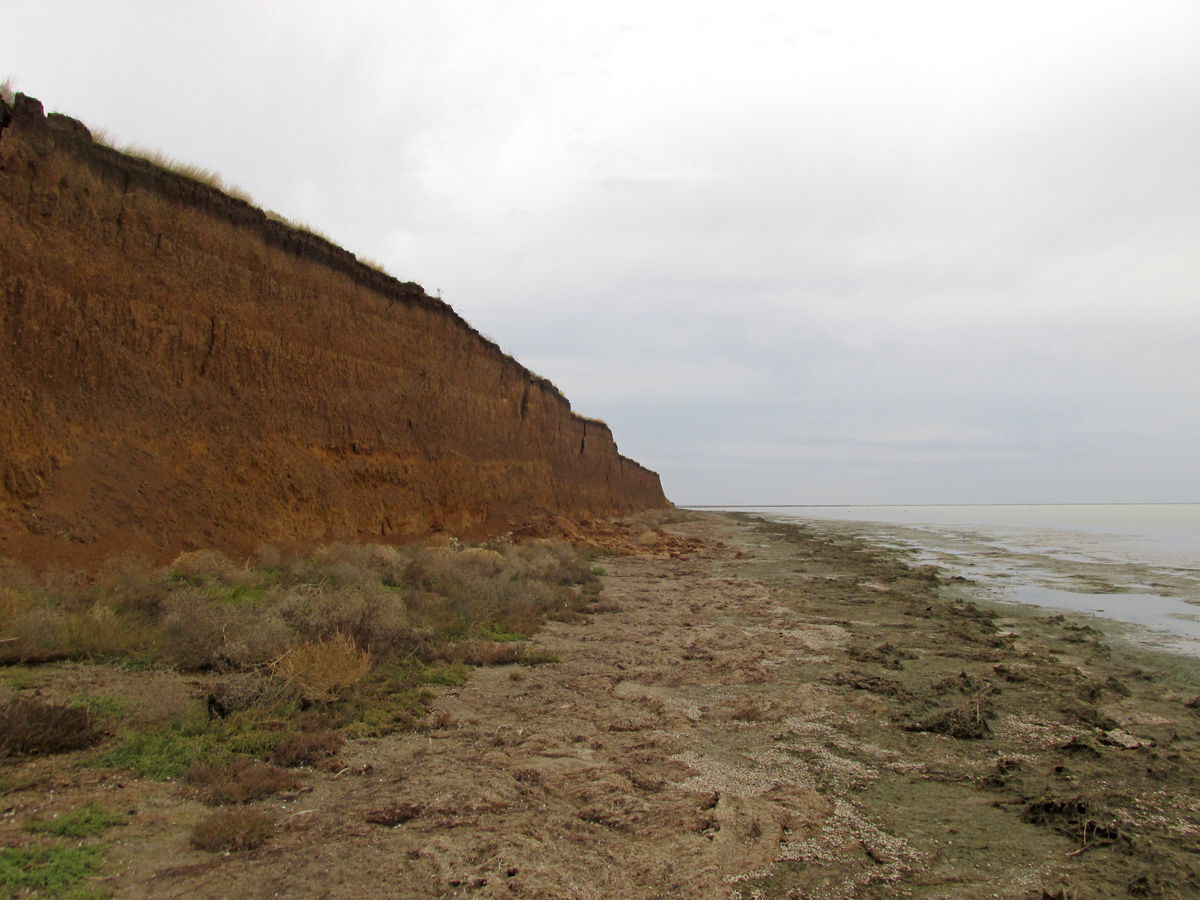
781	712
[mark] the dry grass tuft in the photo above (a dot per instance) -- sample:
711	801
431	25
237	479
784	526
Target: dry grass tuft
375	617
203	564
317	749
193	630
396	814
240	780
187	170
373	264
323	669
7	91
233	830
35	727
246	691
296	224
968	722
494	653
484	653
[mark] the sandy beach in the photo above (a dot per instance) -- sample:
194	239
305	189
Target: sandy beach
757	710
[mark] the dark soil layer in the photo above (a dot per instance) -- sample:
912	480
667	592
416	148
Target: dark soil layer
774	711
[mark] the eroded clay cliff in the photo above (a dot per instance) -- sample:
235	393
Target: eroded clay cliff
178	370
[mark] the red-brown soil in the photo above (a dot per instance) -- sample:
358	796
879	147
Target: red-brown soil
179	371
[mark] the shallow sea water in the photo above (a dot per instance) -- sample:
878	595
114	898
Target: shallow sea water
1138	564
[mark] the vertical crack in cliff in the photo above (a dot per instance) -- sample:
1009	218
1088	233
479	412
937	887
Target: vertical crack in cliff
212	339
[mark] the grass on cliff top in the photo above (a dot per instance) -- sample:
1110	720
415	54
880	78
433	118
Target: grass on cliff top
199	174
372	264
298	225
209	177
179	167
294	653
216	181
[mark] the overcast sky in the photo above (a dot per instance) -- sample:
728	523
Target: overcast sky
795	252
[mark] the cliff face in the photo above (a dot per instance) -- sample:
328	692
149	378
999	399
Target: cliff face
178	370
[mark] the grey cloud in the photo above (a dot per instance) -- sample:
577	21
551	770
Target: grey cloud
854	252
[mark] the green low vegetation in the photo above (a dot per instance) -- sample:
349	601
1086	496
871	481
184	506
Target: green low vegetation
57	871
86	821
366	607
299	653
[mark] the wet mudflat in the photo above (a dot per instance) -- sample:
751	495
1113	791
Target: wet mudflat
783	711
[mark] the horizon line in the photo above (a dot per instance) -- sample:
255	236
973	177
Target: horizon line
926	505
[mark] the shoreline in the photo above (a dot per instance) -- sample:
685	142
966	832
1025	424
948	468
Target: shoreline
1121	582
756	710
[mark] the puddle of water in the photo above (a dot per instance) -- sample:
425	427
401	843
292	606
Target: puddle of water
1162	613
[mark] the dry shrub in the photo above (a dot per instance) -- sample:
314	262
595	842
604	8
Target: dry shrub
129	583
396	814
204	613
231	830
317	749
204	564
438	569
481	561
42	632
449	591
363	564
656	518
38	634
102	631
459	590
1075	817
240	780
742	709
193	630
267	557
375	617
66	615
253	639
322	669
198	633
247	691
13	602
483	653
36	727
968	722
554	562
